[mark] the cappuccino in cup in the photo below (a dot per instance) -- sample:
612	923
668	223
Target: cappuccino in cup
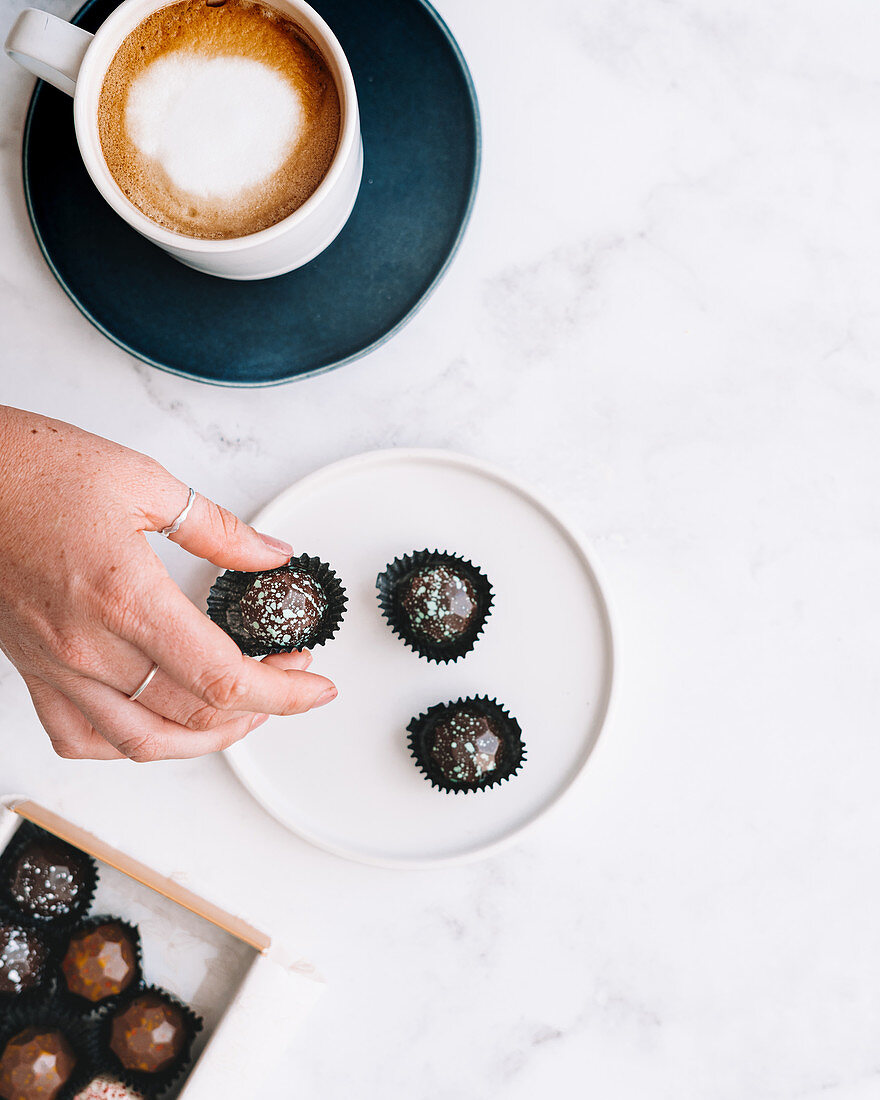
218	119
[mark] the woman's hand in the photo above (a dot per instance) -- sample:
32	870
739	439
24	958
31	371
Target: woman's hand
86	607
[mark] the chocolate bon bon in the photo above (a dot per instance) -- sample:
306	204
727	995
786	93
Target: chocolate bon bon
108	1088
49	879
149	1034
23	957
35	1065
439	603
279	610
467	745
100	961
284	607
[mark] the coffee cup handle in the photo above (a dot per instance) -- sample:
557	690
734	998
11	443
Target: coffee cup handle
49	47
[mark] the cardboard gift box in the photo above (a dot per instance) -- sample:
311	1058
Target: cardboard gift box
250	993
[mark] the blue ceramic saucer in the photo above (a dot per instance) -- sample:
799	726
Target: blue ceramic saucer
421	130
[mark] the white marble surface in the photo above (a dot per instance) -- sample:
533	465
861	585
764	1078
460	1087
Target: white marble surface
665	315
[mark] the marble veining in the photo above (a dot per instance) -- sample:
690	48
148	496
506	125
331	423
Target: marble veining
665	316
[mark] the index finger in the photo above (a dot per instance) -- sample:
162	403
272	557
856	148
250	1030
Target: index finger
196	653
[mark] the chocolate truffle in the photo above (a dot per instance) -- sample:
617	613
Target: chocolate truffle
35	1065
23	956
49	879
101	961
283	607
149	1034
466	746
108	1088
439	603
300	604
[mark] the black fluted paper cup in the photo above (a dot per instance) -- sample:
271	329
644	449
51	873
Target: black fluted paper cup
45	881
95	972
467	745
282	636
20	1030
437	603
113	1028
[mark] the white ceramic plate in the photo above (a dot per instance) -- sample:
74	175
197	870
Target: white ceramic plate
341	776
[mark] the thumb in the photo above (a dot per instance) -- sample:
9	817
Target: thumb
213	533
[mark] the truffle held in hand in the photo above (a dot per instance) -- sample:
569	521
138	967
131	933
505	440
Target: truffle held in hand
283	607
298	605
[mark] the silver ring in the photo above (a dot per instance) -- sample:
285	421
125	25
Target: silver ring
174	527
144	683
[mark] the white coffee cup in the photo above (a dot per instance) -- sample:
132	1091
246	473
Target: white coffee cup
75	61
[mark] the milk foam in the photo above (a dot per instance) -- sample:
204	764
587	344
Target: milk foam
216	125
218	121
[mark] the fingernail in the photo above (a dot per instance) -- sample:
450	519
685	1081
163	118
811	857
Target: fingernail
277	544
258	721
305	658
327	697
